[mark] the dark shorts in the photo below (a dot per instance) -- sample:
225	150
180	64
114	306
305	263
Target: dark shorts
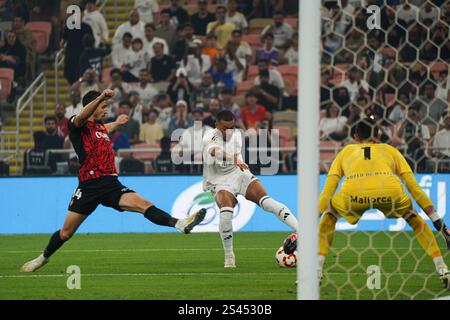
89	194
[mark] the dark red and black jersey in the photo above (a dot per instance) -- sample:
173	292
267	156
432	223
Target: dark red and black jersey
94	150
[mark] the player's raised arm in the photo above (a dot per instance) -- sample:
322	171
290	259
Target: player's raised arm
334	177
121	119
405	173
90	108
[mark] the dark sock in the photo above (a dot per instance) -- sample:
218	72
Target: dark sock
54	244
160	217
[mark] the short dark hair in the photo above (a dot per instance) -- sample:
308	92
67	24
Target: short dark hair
114	71
127	34
90	96
237	31
366	129
225	115
88	40
221	7
49	118
150	25
165	11
138	40
126	103
279	12
264	73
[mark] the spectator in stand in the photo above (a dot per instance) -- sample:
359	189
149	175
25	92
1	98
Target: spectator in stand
73	39
226	96
333	126
178	14
148	10
165	30
76	106
275	77
181	119
162	66
268	51
221	28
211	49
238	55
26	38
206	91
281	31
185	41
132	127
407	13
180	88
51	139
416	136
47	10
150	39
91	57
213	109
431	108
291	54
263	9
201	18
235	17
121	90
252	112
429	14
137	60
151	131
326	86
398	113
221	77
164	107
89	81
441	141
139	109
195	64
62	122
120	53
268	95
145	89
354	84
443	86
133	26
93	17
13	55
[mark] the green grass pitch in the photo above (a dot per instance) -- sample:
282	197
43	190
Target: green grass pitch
174	266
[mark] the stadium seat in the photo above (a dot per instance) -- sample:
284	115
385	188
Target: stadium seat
252	72
285	119
6	80
293	22
285	133
253	40
150	155
244	86
255	26
41	32
288	69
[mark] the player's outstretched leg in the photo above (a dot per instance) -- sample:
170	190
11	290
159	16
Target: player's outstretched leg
428	242
226	202
257	194
134	202
73	221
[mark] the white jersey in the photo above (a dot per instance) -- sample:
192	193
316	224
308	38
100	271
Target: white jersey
213	168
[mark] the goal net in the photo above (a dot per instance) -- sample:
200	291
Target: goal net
387	60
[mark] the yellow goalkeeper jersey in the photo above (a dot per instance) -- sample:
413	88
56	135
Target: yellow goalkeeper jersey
369	166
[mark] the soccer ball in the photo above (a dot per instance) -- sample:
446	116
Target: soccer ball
285	260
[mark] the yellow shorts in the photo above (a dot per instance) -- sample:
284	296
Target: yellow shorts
352	205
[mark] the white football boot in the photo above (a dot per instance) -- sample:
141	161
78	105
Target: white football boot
187	224
444	276
230	262
34	264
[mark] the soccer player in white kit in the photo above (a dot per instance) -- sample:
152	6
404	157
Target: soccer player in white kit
226	175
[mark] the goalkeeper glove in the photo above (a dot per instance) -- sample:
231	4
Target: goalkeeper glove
442	228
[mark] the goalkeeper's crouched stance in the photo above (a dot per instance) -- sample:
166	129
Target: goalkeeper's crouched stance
372	181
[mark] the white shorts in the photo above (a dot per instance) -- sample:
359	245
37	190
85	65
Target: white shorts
236	183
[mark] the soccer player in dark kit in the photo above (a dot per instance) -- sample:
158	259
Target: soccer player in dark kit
98	181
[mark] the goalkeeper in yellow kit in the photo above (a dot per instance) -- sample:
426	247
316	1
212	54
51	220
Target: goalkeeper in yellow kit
373	174
372	180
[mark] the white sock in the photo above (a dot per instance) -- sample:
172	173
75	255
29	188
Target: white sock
226	230
434	216
180	225
280	210
439	263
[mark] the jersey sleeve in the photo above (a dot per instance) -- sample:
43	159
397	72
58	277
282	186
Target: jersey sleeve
401	165
70	124
336	167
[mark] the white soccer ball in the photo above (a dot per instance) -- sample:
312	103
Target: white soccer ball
285	260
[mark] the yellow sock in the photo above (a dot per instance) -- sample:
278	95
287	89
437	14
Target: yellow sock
425	236
327	228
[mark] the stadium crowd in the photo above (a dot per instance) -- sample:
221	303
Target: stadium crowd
170	67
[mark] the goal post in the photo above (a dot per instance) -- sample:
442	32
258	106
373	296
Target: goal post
308	148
